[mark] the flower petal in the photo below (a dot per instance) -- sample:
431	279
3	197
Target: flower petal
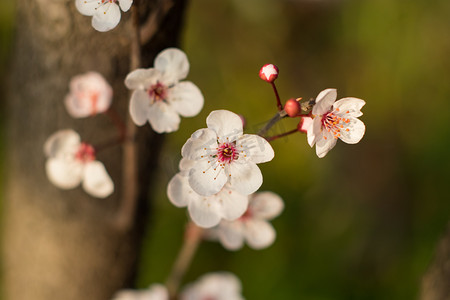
226	124
324	101
349	106
96	180
186	164
139	107
201	144
256	148
179	191
173	64
64	173
61	143
356	130
186	98
325	142
231	234
125	4
142	78
205	211
107	17
163	118
205	179
259	234
154	292
315	132
265	205
87	7
233	204
245	178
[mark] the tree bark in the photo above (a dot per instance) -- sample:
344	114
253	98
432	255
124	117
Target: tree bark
436	282
61	244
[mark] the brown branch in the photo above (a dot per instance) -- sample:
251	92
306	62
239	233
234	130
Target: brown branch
151	25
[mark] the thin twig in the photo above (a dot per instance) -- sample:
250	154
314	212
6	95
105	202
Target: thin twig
279	105
151	25
278	116
192	239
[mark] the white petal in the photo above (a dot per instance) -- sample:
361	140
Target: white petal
154	292
231	234
218	286
226	124
265	205
233	204
201	144
259	234
65	174
163	118
324	101
315	132
349	106
186	164
186	98
356	130
142	78
87	7
205	180
205	211
173	64
62	143
246	178
139	107
125	4
107	17
179	191
96	180
325	142
256	148
305	126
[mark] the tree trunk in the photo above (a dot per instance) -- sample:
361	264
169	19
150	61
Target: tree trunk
436	282
65	244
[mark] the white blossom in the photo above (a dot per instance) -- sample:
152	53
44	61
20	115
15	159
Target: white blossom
159	96
334	120
214	286
89	94
223	154
154	292
205	211
105	13
71	162
253	227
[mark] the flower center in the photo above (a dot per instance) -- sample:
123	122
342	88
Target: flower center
85	153
227	152
334	124
158	92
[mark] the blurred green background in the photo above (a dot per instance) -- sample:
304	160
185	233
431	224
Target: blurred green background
363	222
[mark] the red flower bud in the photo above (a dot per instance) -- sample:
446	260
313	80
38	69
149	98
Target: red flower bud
292	108
269	73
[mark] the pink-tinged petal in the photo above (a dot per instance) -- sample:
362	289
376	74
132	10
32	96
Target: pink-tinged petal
154	292
231	234
259	234
186	164
202	143
125	4
245	178
106	18
324	101
356	130
163	118
349	107
87	7
233	204
315	132
139	107
142	78
226	124
173	64
64	173
265	205
255	148
62	143
96	180
206	179
305	124
205	211
179	191
186	98
325	142
217	286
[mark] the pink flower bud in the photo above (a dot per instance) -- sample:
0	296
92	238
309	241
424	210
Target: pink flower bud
269	73
292	108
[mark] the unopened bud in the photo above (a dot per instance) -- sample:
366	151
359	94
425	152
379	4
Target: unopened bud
269	73
292	108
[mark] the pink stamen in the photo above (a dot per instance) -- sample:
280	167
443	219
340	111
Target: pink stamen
158	92
227	152
85	153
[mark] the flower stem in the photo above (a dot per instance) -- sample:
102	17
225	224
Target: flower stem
279	105
278	116
269	139
192	238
